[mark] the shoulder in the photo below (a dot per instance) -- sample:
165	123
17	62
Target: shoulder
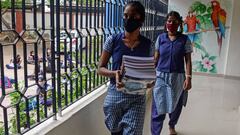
162	38
186	40
114	37
163	35
111	42
185	37
117	36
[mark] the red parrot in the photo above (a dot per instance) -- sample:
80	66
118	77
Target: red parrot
191	25
191	21
219	20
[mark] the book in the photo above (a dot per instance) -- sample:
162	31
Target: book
140	74
139	71
139	68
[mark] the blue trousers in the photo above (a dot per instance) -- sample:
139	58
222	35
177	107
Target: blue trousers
157	120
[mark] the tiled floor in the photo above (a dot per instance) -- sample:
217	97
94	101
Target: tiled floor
212	109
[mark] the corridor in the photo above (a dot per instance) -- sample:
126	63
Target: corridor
212	109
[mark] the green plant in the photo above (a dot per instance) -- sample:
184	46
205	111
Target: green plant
6	4
23	122
1	129
23	117
15	97
82	87
85	1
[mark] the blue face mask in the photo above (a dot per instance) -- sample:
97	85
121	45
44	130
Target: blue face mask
131	24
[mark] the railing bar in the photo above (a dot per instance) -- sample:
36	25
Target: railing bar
87	18
52	60
70	59
70	14
43	14
77	38
27	113
37	109
13	14
58	56
103	24
86	84
5	118
81	14
0	16
18	118
81	85
90	14
90	81
2	70
98	14
95	13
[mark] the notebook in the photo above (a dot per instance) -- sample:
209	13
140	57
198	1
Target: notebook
139	68
139	71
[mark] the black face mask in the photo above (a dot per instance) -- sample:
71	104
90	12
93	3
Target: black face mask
131	24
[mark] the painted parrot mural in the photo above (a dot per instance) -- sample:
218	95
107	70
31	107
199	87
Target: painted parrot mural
191	25
218	18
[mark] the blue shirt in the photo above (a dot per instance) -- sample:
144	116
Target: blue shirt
172	53
116	47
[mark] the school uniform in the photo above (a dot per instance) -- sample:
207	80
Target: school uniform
168	93
124	112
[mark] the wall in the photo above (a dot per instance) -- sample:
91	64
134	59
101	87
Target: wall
85	117
227	62
208	56
232	66
87	121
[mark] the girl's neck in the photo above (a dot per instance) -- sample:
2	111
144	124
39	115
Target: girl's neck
132	36
172	34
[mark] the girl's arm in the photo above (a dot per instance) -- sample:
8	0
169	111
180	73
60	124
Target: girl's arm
188	82
102	69
156	57
102	66
188	61
157	54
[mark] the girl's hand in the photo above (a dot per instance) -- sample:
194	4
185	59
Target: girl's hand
187	85
151	84
118	77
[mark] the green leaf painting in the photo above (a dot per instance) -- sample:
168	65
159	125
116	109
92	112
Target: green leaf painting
203	13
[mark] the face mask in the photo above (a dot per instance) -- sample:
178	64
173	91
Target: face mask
131	24
172	27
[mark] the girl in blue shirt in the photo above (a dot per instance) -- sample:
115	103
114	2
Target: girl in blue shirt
173	55
124	112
